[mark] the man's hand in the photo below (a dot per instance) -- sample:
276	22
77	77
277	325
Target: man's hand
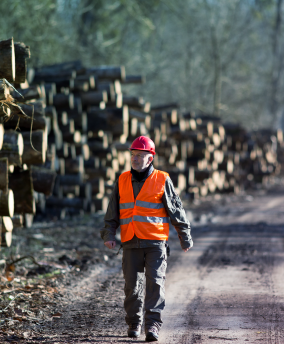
110	244
186	249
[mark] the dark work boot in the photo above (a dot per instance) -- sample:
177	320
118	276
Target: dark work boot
152	334
134	330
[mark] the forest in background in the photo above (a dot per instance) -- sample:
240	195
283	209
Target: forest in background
212	56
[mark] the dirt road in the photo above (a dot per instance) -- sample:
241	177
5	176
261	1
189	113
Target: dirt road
230	286
227	288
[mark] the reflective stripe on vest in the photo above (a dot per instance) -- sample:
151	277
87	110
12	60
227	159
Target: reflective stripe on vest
146	217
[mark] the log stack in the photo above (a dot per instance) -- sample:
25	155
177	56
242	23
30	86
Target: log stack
83	123
93	124
21	152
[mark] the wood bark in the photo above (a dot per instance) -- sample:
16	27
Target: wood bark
90	79
28	220
86	191
61	100
75	202
132	101
43	180
108	72
71	179
101	203
18	221
33	109
13	146
55	213
6	231
7	60
53	75
32	92
4	170
72	137
4	90
74	166
134	79
98	186
92	98
108	87
39	123
22	52
7	203
66	190
35	147
83	150
21	184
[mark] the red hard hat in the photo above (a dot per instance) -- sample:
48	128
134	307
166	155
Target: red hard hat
143	143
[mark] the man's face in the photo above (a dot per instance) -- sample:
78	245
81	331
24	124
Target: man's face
140	160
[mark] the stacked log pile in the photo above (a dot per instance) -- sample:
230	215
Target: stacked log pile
92	124
21	151
82	128
90	121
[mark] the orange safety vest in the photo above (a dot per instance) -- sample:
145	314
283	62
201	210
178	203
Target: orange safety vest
146	217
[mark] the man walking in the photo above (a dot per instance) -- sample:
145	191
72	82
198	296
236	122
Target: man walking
143	203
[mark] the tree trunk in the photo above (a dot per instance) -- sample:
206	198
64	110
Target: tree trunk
7	60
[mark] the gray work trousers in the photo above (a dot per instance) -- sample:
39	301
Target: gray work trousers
137	263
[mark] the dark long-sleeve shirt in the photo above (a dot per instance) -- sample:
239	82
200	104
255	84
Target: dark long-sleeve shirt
172	204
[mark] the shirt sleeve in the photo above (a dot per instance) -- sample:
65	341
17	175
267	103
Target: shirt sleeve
176	212
111	218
